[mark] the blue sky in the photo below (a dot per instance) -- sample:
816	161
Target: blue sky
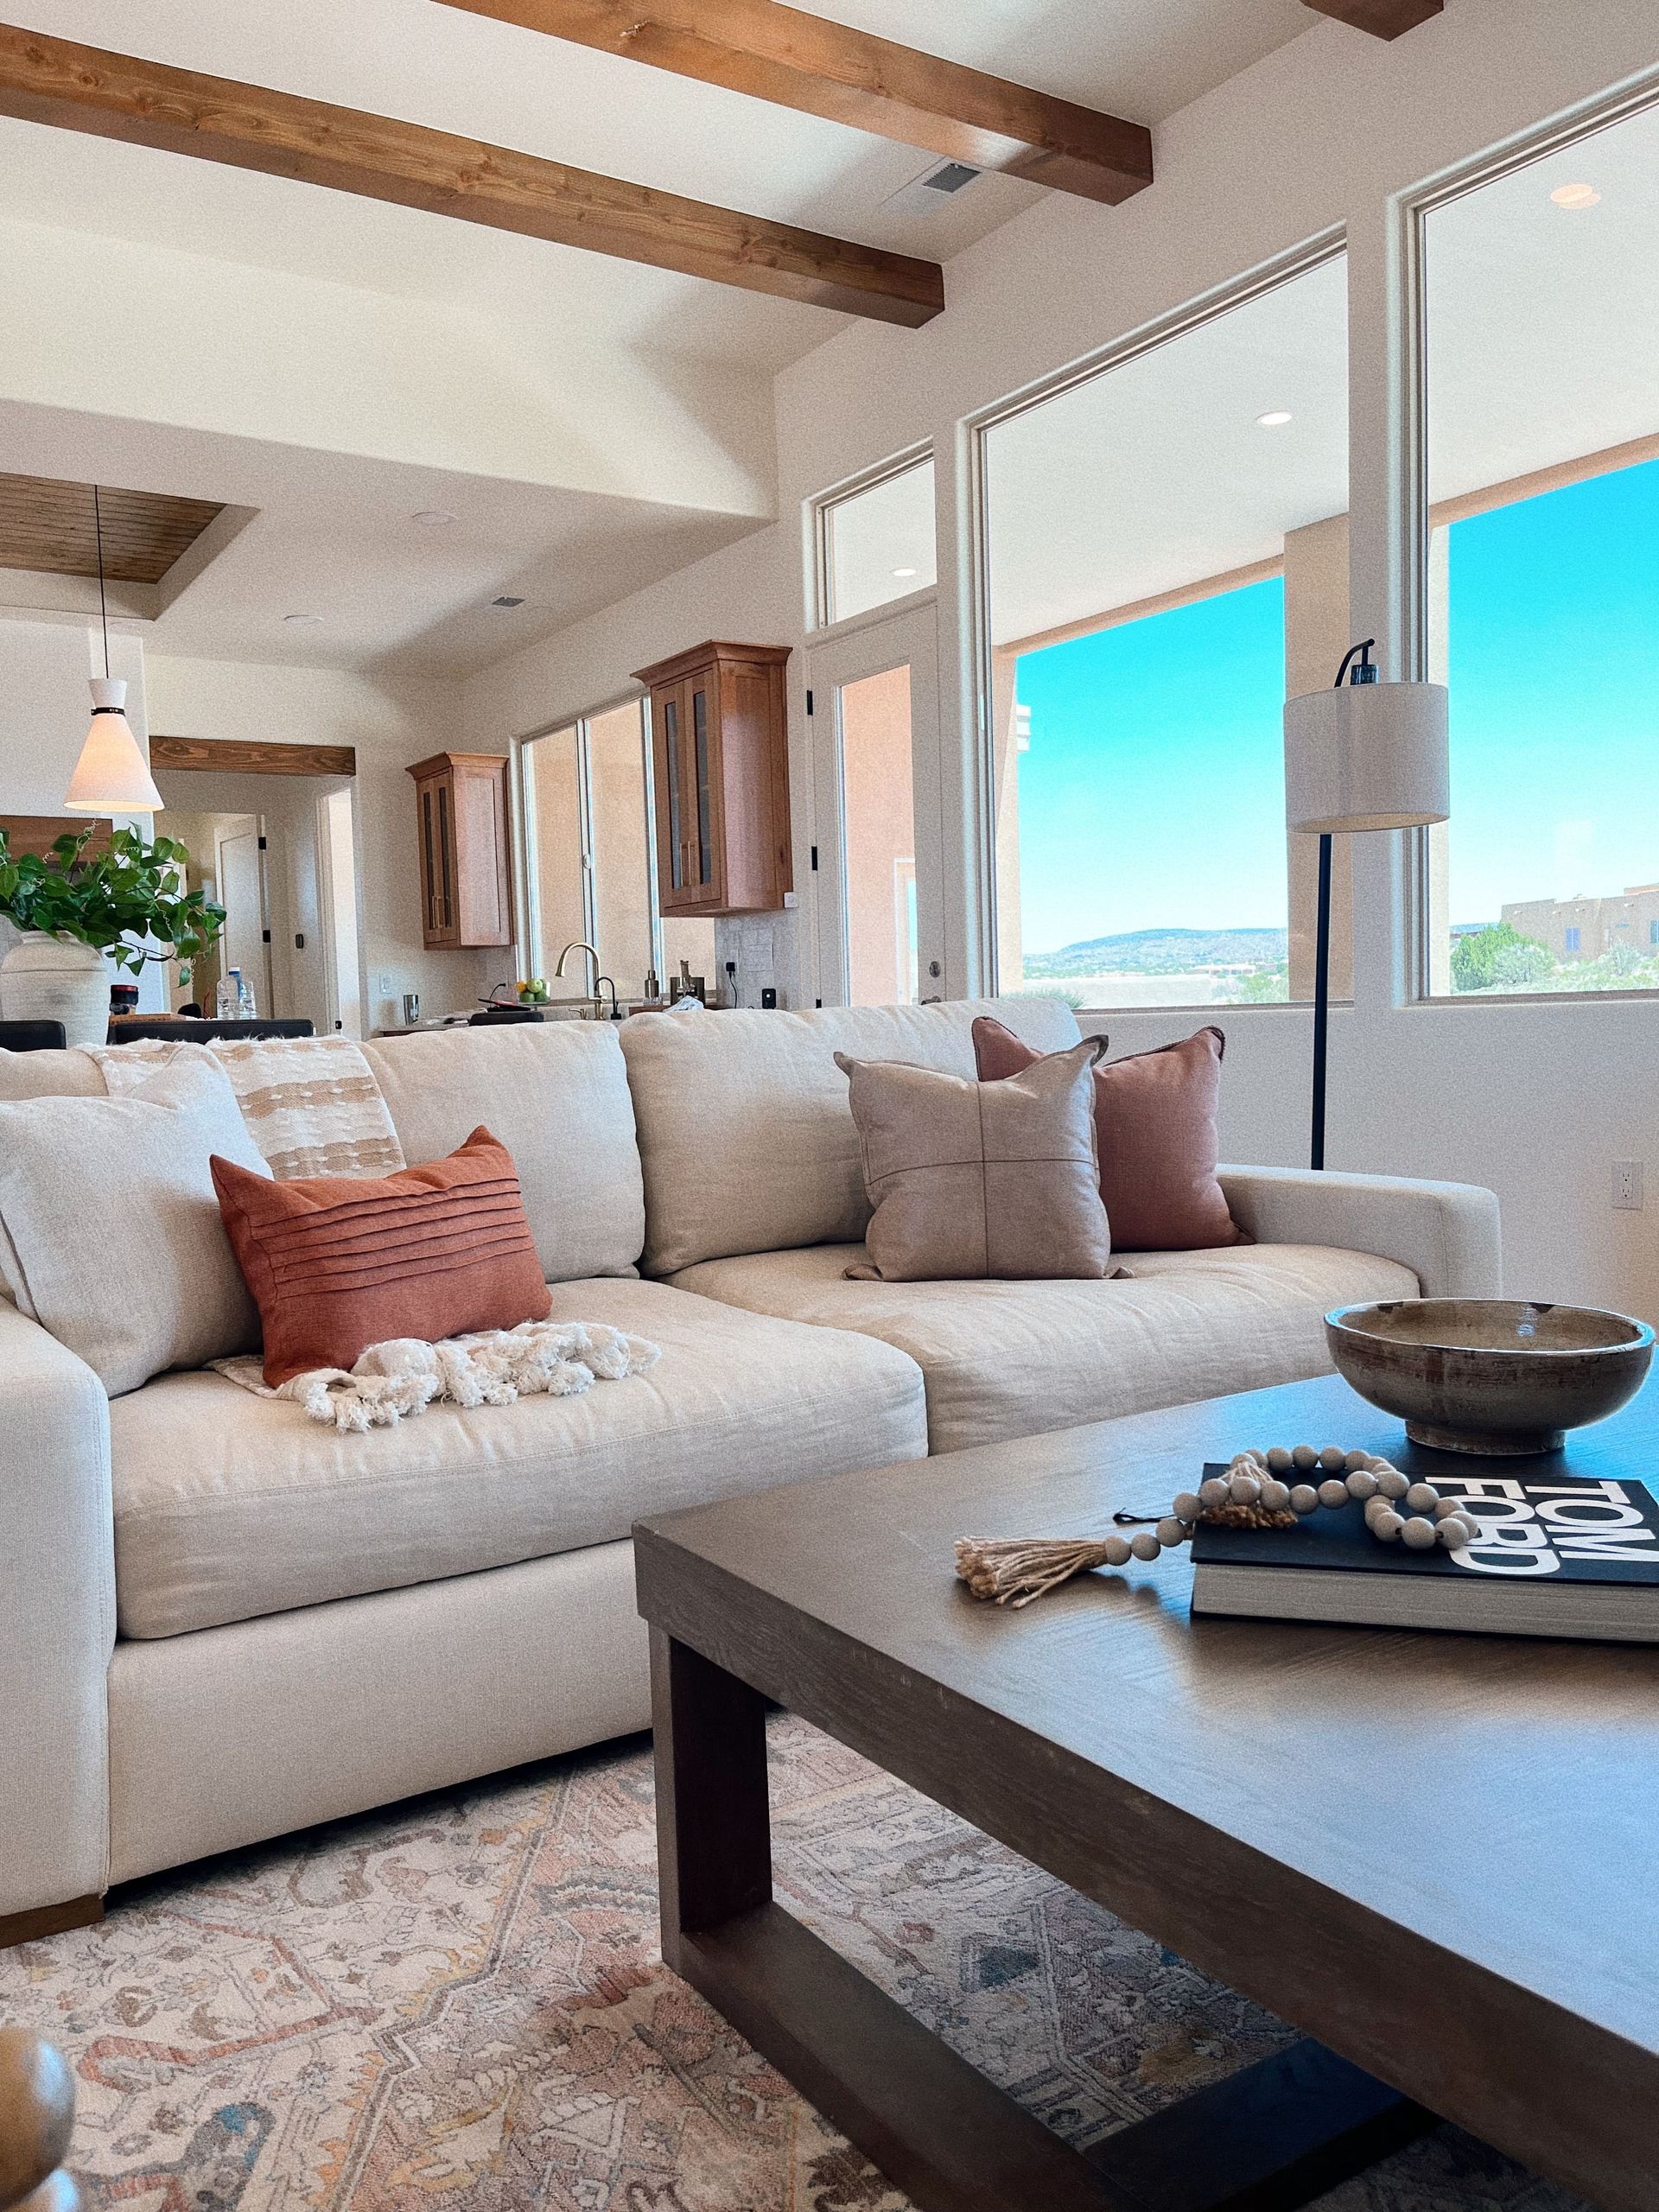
1152	794
1554	676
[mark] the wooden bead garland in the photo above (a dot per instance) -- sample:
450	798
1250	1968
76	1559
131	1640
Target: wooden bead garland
1259	1490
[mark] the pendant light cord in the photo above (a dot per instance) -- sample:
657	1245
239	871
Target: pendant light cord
103	606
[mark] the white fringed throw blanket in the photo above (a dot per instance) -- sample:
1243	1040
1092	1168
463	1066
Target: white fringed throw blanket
399	1379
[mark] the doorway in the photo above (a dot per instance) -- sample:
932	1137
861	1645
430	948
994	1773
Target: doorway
874	708
277	851
240	867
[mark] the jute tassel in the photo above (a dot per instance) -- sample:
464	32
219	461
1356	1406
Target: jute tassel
1014	1570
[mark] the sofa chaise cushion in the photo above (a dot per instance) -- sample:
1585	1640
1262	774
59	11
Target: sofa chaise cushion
228	1505
1007	1359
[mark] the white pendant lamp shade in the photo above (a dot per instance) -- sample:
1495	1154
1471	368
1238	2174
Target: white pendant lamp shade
111	777
1367	756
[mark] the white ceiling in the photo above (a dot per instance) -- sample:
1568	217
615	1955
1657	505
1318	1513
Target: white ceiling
1543	322
1158	473
561	332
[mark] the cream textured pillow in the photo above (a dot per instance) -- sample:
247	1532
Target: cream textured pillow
982	1180
110	1229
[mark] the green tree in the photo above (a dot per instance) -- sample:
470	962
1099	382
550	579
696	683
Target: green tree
1498	956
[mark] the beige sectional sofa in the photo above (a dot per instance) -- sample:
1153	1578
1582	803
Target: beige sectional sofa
219	1621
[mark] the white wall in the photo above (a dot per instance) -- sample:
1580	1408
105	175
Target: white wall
749	593
1535	1100
390	725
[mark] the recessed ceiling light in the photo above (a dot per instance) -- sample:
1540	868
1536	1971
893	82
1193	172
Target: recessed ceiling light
1276	418
433	518
1576	195
305	621
904	572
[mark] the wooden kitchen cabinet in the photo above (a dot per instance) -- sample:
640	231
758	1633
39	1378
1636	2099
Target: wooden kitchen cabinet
719	752
461	816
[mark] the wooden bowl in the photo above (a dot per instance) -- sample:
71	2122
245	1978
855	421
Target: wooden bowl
1490	1375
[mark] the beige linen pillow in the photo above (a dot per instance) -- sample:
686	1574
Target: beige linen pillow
981	1180
110	1229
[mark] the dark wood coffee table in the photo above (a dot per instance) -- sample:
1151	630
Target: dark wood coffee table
1434	1854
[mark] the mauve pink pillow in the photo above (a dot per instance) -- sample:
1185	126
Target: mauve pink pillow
1155	1130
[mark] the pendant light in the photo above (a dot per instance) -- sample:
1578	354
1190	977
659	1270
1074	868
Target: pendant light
111	776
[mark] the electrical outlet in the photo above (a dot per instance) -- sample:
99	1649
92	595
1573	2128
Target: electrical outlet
1627	1185
386	983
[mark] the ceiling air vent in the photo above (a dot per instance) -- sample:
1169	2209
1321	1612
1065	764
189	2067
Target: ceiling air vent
506	600
927	194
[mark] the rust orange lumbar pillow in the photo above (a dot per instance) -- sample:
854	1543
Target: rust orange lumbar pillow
338	1262
1155	1133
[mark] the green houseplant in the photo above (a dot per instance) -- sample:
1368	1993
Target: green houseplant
127	902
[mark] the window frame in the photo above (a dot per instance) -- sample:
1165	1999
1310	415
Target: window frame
818	512
1414	525
528	917
1317	251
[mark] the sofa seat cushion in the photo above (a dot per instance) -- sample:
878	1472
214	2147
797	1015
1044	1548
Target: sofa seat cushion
1005	1359
229	1506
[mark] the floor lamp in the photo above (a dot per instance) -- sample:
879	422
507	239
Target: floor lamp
1364	755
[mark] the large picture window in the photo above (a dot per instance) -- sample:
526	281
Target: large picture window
1542	330
1166	548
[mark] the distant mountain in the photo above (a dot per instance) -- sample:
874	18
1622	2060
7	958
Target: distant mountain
1162	952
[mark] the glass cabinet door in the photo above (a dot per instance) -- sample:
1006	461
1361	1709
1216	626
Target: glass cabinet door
701	854
668	706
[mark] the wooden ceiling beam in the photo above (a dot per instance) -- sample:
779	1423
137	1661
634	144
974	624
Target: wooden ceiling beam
234	756
802	61
52	80
1382	18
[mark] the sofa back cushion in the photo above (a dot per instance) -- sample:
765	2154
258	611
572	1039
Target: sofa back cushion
72	1074
555	1094
745	1126
109	1232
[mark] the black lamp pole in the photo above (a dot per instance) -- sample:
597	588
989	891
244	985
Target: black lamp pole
1357	668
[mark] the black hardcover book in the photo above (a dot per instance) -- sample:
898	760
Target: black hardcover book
1558	1555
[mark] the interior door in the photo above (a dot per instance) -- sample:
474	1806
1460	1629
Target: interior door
242	895
874	726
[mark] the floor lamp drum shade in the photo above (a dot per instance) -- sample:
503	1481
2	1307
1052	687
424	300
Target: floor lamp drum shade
1367	756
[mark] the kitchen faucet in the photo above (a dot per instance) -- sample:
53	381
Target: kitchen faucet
581	944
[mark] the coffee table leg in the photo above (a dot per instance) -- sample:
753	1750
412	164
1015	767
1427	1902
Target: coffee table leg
1266	2139
714	1827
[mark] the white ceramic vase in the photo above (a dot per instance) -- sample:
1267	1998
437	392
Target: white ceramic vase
45	978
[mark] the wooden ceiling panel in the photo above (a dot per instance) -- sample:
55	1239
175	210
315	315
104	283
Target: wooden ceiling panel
1382	18
48	527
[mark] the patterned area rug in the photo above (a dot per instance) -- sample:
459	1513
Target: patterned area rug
460	2004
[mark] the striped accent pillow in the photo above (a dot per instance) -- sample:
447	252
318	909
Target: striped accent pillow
338	1262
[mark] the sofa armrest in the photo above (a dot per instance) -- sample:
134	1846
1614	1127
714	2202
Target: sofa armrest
1445	1233
57	1620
